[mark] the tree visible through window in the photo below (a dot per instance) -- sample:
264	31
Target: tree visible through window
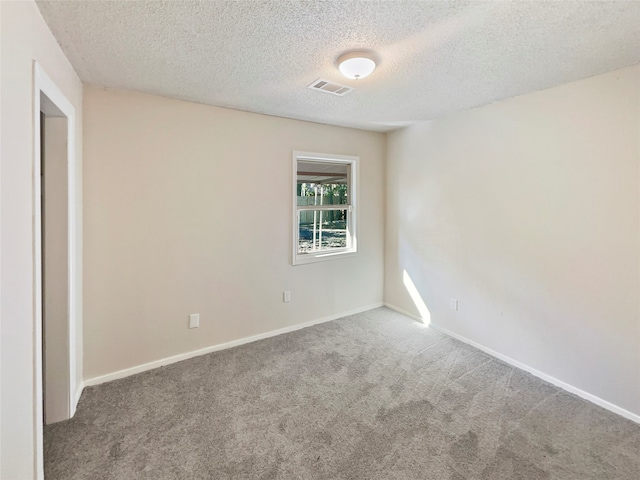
324	206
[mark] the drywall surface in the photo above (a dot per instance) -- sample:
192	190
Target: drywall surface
24	38
188	210
527	212
55	270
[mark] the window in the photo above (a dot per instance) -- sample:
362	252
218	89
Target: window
324	207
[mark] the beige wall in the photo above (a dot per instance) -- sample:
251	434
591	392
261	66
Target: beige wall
188	210
527	211
24	38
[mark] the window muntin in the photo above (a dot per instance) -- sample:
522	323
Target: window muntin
324	207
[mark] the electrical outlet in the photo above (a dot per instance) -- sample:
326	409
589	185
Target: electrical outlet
453	304
194	320
286	296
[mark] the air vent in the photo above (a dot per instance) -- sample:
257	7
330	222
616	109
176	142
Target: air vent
330	87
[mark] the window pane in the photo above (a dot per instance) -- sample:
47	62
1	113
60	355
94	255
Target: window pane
322	230
322	194
323	172
322	183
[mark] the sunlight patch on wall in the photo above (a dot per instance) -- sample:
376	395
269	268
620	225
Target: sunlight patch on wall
425	315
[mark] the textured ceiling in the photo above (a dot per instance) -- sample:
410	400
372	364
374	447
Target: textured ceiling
259	56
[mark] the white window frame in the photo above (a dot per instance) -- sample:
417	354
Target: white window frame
351	207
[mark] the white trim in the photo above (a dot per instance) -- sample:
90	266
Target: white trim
352	220
404	312
537	373
127	372
324	208
43	84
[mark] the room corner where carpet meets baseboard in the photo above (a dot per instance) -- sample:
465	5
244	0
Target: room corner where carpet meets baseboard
127	372
533	371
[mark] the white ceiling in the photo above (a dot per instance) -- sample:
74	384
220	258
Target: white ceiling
259	56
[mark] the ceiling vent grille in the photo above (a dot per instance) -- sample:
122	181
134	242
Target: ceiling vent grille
330	87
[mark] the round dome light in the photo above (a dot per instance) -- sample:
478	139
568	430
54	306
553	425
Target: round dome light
356	65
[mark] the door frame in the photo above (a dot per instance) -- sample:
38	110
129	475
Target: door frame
44	85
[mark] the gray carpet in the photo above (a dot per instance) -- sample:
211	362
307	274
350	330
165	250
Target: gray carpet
371	396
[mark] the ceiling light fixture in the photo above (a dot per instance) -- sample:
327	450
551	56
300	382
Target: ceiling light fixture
356	65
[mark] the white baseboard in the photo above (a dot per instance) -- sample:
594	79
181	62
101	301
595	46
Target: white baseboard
405	313
537	373
222	346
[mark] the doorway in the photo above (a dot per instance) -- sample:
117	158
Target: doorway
55	370
55	262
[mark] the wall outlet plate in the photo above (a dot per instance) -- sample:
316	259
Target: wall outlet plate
194	320
453	304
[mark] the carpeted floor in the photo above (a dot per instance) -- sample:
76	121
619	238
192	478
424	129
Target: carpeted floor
371	396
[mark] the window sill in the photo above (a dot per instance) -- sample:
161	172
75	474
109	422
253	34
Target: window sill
305	258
